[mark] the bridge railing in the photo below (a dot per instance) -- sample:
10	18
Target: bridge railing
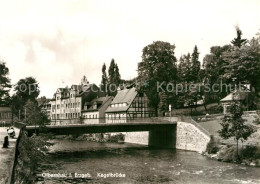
109	120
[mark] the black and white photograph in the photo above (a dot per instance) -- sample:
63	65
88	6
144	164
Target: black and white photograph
130	91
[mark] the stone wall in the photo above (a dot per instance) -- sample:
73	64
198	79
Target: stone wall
190	137
137	137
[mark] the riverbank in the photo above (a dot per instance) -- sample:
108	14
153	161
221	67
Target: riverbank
245	154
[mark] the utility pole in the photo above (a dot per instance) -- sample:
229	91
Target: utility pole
19	115
25	114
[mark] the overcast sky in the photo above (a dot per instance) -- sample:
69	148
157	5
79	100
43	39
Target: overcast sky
58	42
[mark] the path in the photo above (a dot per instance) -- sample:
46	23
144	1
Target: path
6	155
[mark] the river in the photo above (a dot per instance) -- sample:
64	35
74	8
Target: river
130	163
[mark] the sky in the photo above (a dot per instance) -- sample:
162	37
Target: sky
58	42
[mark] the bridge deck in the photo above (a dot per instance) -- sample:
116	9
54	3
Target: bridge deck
102	128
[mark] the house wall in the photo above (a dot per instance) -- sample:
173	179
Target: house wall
5	116
90	117
119	117
137	109
66	108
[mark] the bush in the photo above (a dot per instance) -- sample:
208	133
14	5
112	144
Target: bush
116	138
228	154
251	152
212	146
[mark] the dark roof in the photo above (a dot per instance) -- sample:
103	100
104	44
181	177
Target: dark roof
5	109
76	87
237	95
124	96
101	100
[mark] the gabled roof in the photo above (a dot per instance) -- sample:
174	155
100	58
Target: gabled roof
101	100
124	96
76	87
236	96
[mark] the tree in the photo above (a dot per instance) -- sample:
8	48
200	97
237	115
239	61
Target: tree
114	78
233	125
244	64
26	89
117	76
195	65
158	66
34	116
184	68
5	85
104	80
238	41
214	71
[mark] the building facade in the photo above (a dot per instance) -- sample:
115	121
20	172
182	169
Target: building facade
6	116
128	105
94	111
67	103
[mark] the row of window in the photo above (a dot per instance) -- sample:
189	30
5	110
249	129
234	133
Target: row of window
5	115
67	116
90	116
119	105
68	106
71	96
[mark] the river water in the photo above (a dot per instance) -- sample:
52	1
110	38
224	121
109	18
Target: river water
131	163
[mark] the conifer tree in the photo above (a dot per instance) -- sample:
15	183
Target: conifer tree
104	80
195	65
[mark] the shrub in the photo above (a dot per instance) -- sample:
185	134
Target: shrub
117	137
212	146
228	154
251	152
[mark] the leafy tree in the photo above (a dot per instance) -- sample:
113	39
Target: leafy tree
4	84
104	80
34	116
233	125
26	89
238	41
32	151
184	68
158	65
195	65
244	64
214	71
